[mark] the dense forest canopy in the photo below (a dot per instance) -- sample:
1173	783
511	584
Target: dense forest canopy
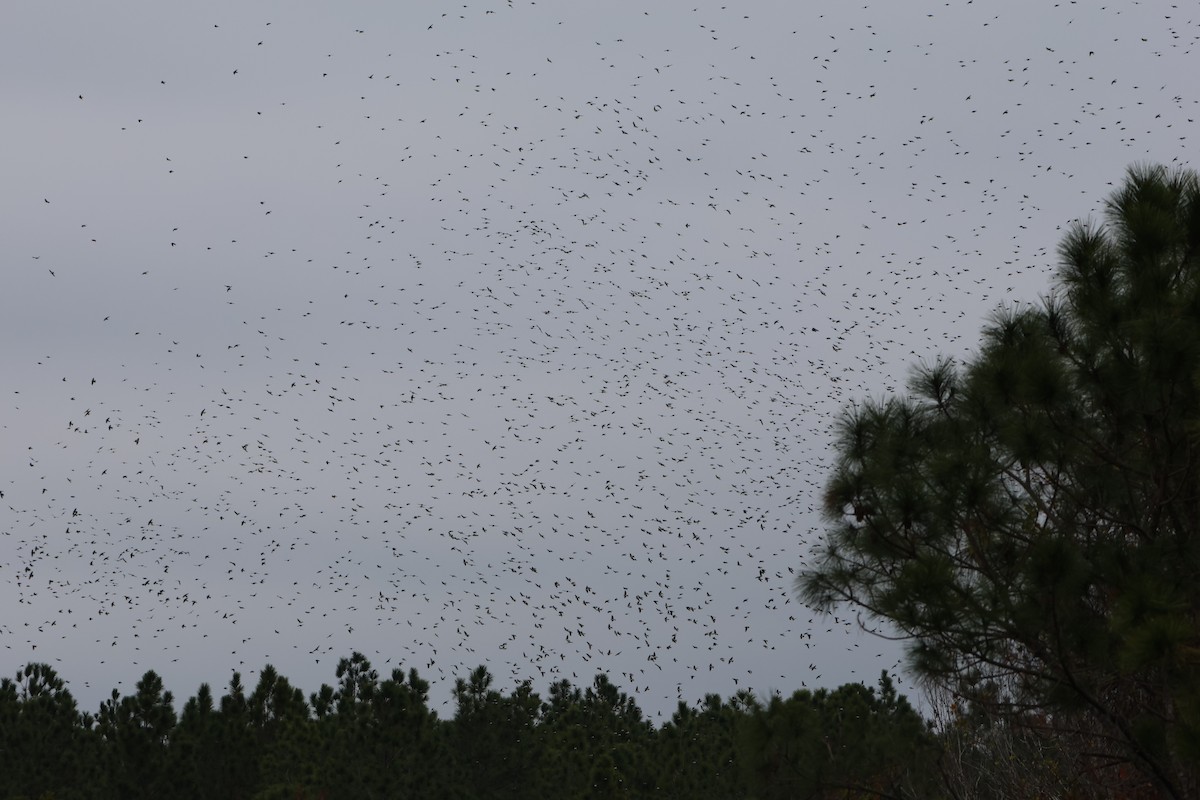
373	736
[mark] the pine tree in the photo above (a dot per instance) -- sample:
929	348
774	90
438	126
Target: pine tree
136	729
1031	519
46	746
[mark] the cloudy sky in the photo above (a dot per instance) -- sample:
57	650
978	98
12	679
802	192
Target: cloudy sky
506	333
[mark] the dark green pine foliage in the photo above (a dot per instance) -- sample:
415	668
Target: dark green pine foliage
371	738
852	742
618	732
235	772
224	750
494	739
46	745
195	750
1031	519
598	743
344	731
278	720
569	747
695	750
136	731
408	745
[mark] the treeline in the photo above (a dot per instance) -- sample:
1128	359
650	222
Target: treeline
368	737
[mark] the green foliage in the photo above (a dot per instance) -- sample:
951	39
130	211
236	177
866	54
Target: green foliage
598	741
1031	518
376	738
136	730
696	750
43	737
494	739
853	741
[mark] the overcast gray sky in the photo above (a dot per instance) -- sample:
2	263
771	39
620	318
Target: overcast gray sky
505	333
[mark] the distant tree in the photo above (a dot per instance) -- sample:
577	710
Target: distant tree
235	770
619	730
321	701
695	750
408	746
379	738
569	746
344	730
136	729
357	683
283	739
852	742
194	748
46	746
1031	520
494	738
597	742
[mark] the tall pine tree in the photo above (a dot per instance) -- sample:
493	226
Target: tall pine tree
1031	518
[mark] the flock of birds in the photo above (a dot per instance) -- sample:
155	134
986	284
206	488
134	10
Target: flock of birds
511	334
